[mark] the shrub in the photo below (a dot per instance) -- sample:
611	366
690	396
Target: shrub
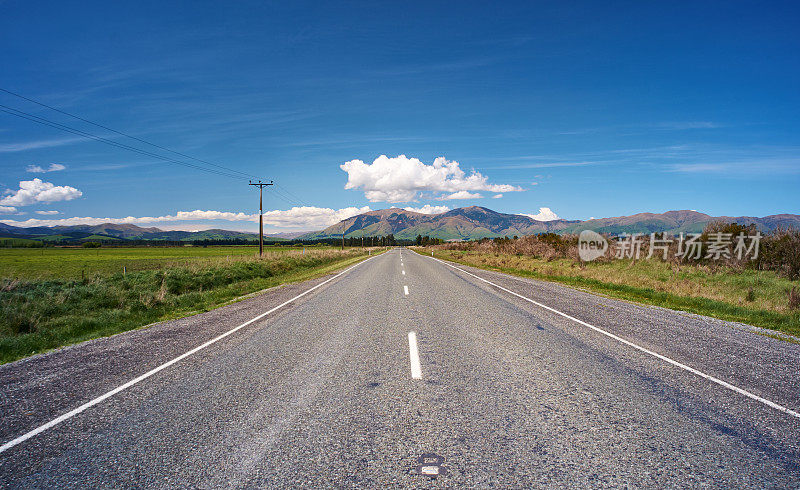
780	252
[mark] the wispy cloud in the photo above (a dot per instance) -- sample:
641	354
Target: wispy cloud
735	160
35	145
683	125
351	140
548	165
642	127
741	167
54	167
443	66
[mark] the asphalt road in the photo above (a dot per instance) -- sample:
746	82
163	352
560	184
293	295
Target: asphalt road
326	391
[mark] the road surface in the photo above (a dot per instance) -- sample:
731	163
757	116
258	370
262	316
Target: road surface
508	381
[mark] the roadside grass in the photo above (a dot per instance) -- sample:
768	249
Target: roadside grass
39	315
758	298
77	262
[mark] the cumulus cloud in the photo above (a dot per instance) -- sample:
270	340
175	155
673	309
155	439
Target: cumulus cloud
36	191
47	213
497	196
545	214
402	179
7	209
461	195
428	209
54	167
304	217
310	216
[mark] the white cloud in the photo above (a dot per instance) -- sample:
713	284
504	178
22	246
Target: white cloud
310	216
47	213
54	167
37	191
428	209
461	195
497	196
402	179
545	214
7	209
305	217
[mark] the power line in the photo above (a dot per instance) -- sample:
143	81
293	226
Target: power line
285	197
280	192
286	191
244	174
85	134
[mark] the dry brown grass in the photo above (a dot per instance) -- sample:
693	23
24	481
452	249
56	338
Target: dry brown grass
745	295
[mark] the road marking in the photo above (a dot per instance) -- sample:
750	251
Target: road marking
413	355
692	370
405	290
24	437
404	273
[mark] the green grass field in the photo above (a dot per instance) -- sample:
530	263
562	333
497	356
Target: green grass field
45	303
76	262
757	298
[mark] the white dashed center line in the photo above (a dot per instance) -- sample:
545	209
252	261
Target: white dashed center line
405	290
413	355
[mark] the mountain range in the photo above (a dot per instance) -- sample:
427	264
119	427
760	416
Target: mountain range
477	222
458	224
123	232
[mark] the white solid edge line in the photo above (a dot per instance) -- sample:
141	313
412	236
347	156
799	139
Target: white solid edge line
413	356
89	404
718	381
405	290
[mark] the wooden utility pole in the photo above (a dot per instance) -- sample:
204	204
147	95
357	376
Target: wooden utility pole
260	186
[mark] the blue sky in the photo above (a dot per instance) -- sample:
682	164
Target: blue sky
587	108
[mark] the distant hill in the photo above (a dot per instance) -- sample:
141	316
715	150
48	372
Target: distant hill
458	224
478	222
123	232
674	222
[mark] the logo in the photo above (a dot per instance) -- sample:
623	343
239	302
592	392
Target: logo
591	245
